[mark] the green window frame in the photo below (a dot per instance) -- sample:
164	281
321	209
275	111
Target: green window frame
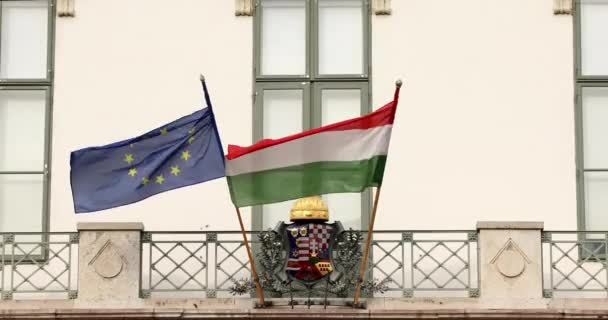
312	84
583	83
44	84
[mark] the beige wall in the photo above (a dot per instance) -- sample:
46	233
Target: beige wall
485	128
484	132
125	67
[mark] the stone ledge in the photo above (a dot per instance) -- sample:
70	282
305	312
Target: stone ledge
301	314
515	225
110	226
380	303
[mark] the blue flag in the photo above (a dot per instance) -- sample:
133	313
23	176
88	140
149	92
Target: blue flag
182	153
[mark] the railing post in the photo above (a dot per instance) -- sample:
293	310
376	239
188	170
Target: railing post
510	260
109	262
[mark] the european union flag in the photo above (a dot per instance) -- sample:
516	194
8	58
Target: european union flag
182	153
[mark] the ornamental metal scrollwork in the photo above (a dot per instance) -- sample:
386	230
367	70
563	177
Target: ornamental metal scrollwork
309	257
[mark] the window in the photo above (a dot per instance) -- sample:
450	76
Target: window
592	113
26	28
311	69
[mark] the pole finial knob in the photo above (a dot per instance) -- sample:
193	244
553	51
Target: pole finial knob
399	83
202	77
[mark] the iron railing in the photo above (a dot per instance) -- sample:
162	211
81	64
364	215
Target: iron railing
408	262
44	265
575	262
181	261
41	265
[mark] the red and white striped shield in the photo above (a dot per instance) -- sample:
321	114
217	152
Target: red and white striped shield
309	255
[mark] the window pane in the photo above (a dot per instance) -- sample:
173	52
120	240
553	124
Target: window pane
276	212
344	207
282	113
596	201
283	33
595	128
340	37
21	203
338	105
22	117
23	45
594	40
282	117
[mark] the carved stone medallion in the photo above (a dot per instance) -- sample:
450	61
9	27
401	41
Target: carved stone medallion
510	261
107	263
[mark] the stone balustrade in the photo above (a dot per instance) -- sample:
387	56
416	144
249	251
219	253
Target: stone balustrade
504	269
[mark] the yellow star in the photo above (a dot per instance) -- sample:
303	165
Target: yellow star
132	172
160	179
191	131
145	180
163	131
186	155
129	158
175	170
190	139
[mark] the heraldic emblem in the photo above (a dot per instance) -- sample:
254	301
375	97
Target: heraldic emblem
309	256
309	241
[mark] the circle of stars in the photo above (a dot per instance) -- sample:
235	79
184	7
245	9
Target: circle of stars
129	158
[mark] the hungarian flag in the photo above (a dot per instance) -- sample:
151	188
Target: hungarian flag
347	156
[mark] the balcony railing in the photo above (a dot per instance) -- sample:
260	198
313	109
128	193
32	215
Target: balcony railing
575	262
38	265
407	262
207	264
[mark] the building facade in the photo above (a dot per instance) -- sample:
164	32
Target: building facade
497	142
501	117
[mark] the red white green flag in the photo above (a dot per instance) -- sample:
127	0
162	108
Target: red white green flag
346	156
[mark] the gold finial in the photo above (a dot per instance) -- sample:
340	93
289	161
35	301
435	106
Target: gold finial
309	208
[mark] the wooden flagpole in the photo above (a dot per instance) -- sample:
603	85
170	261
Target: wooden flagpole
367	244
370	231
256	279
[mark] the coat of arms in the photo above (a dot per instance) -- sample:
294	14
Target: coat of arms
296	256
308	246
308	241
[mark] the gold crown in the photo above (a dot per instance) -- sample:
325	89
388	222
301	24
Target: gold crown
309	208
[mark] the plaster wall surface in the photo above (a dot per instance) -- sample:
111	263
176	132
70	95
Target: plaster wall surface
485	128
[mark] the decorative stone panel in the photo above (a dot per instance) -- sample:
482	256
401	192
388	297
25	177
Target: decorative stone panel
510	260
109	261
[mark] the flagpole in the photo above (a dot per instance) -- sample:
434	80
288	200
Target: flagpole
208	102
367	245
371	225
238	211
258	287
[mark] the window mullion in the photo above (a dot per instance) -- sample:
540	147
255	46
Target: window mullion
307	107
7	172
50	43
313	39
